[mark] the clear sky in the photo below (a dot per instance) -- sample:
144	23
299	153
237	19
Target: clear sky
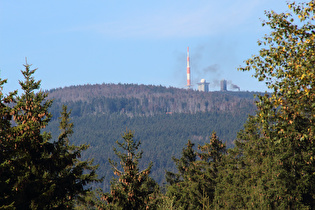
76	42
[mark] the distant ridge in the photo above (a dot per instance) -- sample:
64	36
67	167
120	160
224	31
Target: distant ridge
163	118
133	99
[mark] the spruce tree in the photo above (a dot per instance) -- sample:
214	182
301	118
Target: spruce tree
42	174
6	145
188	157
69	184
134	189
30	148
194	186
212	156
239	172
178	183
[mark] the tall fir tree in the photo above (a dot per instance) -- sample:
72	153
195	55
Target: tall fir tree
40	170
212	156
178	188
188	157
69	174
134	189
194	186
275	165
32	149
6	145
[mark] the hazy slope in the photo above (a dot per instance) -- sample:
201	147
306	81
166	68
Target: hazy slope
162	118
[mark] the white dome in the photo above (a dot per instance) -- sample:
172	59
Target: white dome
203	81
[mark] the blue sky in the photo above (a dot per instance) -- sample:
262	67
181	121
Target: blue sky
77	42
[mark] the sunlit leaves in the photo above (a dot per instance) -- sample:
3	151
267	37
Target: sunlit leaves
285	116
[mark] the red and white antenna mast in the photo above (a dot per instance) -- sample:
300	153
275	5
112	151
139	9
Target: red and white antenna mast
188	71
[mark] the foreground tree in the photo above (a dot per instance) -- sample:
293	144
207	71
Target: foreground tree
134	189
275	152
177	188
189	156
42	174
6	145
194	186
70	183
212	156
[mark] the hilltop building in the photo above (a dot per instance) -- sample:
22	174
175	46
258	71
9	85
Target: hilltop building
223	85
203	86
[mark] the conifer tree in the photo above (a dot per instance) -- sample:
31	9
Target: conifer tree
233	189
211	156
30	149
69	184
194	185
179	184
275	165
134	189
188	157
42	174
6	145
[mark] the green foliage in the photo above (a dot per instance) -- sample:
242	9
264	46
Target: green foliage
30	149
73	175
188	157
6	144
134	189
194	185
164	135
274	163
168	203
35	172
101	112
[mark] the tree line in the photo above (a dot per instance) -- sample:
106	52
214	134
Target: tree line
145	100
101	113
162	136
271	166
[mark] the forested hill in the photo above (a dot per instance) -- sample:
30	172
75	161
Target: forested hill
147	100
164	119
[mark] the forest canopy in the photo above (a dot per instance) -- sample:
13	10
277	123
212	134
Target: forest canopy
271	165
